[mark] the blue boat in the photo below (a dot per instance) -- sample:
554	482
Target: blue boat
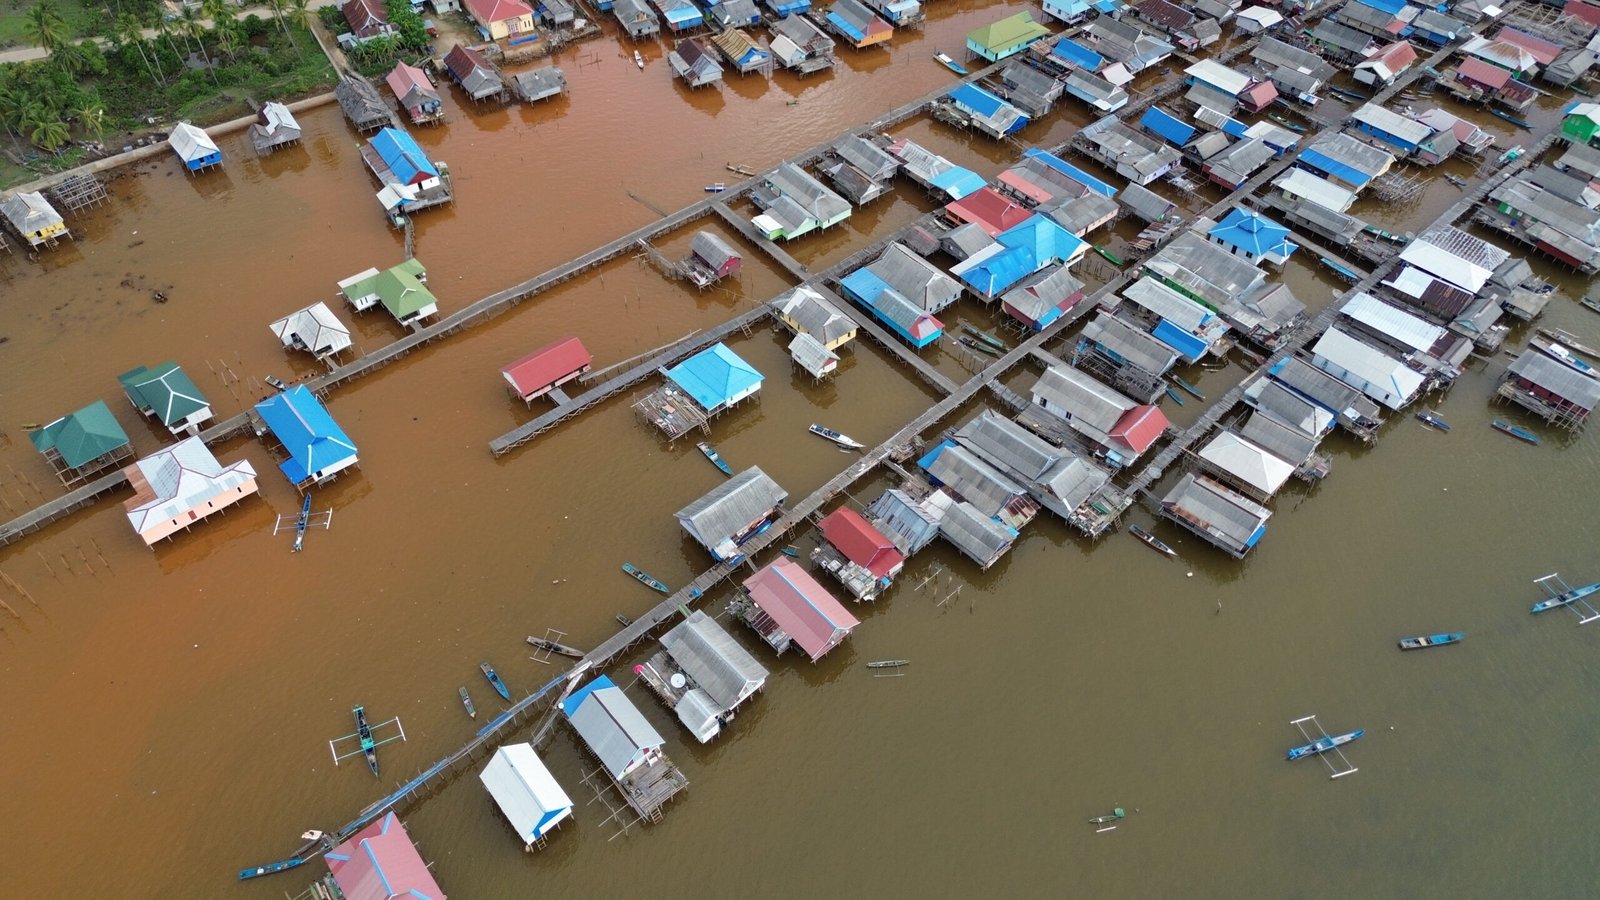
494	680
945	60
1340	269
269	869
1565	598
369	747
1324	744
1432	420
1188	388
791	552
645	578
1516	431
1430	640
716	458
1174	395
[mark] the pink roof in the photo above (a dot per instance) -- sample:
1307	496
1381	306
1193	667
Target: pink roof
1587	12
1480	72
498	10
1259	95
1539	48
1139	427
547	366
1024	186
990	210
802	608
860	543
925	327
403	78
379	862
1396	56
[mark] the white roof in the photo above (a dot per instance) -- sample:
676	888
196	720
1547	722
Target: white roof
1392	123
1407	329
1411	281
1247	462
1367	369
1261	15
615	730
526	791
1167	303
183	477
190	142
1318	190
1117	74
1445	265
278	116
1218	76
316	327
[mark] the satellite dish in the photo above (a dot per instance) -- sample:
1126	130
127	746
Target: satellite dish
677	681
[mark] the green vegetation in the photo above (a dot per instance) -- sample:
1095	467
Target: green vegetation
376	56
81	18
84	92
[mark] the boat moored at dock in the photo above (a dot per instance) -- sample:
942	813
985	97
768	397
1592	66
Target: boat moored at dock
555	647
1516	431
843	440
1151	541
494	681
645	578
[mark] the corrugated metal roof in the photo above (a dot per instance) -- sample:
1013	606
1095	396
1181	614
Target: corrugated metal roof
1085	400
1392	123
1008	445
1561	380
715	376
1380	376
1317	385
974	480
903	520
1227	516
615	730
1321	191
915	279
1452	254
1251	464
815	315
1265	429
1219	76
1278	54
1167	303
718	664
731	506
1164	125
1146	204
804	609
1204	269
978	536
1407	329
525	791
1074	480
1129	345
1315	159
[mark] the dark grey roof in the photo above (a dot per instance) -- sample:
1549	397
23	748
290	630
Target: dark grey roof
731	506
796	183
965	240
1328	391
1241	160
871	159
978	536
1342	37
1133	346
1226	517
903	520
1279	55
1288	408
1147	204
1564	381
718	664
1034	295
1269	433
1559	183
1074	480
1365	18
537	84
1008	445
1080	214
974	480
1022	75
1581	158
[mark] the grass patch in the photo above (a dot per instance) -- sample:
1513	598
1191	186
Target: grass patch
82	18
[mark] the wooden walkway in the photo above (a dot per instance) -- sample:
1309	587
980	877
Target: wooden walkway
778	255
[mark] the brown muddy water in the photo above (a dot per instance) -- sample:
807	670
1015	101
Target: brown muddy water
167	711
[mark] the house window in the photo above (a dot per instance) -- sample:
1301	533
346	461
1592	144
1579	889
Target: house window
193	515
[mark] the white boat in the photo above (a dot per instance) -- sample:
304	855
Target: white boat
843	440
638	60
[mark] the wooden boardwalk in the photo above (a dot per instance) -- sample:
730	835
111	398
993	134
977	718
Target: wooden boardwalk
778	255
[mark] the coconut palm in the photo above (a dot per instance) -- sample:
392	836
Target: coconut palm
45	26
92	116
72	58
13	99
43	125
277	8
126	31
195	27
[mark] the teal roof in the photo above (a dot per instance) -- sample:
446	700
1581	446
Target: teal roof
164	391
714	376
83	436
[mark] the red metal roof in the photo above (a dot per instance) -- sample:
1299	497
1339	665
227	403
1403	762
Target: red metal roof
547	365
1396	56
365	17
487	11
860	543
1479	72
802	608
379	862
1579	9
1541	49
990	210
1139	427
462	60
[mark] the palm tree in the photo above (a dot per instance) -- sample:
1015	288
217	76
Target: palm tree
164	29
44	127
129	34
277	8
92	116
192	26
227	34
45	25
12	102
72	58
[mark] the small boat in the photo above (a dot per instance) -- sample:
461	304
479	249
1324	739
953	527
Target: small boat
716	187
1515	120
738	169
1431	419
466	701
555	647
945	60
1176	398
645	578
791	103
1340	269
270	868
888	663
1516	431
716	459
1570	340
1345	92
623	620
1112	258
1511	155
1430	640
975	344
1151	541
1389	236
638	60
843	440
1589	303
1324	744
1287	123
1566	597
984	336
1561	355
1114	815
369	747
1188	388
494	680
791	552
1456	180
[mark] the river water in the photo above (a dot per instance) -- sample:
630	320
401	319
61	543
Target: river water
168	711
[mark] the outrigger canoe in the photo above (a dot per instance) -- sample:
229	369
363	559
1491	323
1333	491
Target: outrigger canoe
1566	597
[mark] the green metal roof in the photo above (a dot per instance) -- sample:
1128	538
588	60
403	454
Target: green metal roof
1008	32
83	436
165	390
399	289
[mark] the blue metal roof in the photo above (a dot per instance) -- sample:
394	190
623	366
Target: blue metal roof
976	99
926	462
864	285
714	376
1253	233
1319	161
314	440
1162	124
399	151
1000	270
1071	171
959	182
576	698
1392	7
839	22
1044	240
1234	128
1078	55
1108	6
1182	342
